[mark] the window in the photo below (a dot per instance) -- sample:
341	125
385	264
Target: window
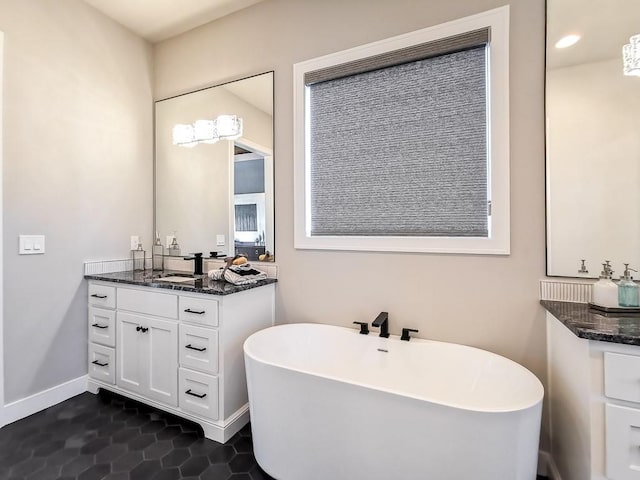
402	145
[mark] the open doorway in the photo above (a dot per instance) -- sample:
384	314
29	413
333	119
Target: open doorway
252	202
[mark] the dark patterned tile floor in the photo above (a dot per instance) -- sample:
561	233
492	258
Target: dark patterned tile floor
105	436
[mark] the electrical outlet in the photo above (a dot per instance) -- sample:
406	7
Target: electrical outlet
135	240
169	240
219	240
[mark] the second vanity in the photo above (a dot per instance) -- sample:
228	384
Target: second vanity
594	392
177	347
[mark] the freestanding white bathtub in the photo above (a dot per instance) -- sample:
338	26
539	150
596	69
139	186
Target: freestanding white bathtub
329	404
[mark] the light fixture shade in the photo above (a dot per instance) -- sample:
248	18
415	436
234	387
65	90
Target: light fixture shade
229	127
205	131
631	56
183	135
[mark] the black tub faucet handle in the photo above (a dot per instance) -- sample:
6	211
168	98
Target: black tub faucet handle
405	333
364	327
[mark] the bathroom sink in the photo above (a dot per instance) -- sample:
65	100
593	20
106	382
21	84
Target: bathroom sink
178	277
175	279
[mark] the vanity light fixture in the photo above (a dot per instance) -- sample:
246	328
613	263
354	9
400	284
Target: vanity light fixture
184	135
229	127
631	56
205	131
225	127
567	41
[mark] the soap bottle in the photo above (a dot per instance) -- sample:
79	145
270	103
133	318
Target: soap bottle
628	290
605	291
138	257
174	248
157	252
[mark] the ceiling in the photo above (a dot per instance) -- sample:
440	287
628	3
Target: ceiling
605	26
157	20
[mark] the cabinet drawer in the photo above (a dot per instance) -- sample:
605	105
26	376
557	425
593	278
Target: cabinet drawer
102	326
199	348
622	377
151	303
199	393
102	296
623	442
202	311
102	363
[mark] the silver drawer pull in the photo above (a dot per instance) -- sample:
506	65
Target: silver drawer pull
188	310
96	362
197	349
95	295
189	392
97	325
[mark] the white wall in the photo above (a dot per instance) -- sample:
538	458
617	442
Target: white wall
593	147
489	302
77	168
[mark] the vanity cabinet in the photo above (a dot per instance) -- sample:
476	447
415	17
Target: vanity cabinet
179	351
594	404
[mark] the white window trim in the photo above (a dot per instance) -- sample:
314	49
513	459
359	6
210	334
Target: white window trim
498	242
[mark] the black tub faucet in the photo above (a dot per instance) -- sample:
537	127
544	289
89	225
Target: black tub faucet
382	321
197	263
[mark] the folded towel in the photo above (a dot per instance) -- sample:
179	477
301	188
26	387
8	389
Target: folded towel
238	274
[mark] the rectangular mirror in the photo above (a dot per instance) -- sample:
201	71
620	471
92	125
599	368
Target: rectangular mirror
214	169
593	137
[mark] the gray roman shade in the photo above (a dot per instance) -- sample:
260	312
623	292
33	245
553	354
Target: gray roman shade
398	142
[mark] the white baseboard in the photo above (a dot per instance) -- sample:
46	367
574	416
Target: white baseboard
39	401
547	467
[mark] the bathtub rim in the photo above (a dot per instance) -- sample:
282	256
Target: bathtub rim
519	408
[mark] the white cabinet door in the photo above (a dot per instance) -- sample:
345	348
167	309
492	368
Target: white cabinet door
130	348
148	357
162	360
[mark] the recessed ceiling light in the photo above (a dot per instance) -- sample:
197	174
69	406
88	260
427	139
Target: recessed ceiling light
567	41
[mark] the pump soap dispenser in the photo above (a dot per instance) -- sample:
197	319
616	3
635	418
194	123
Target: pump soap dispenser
628	290
605	291
174	248
157	253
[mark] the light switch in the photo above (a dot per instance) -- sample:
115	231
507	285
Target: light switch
219	240
135	240
31	244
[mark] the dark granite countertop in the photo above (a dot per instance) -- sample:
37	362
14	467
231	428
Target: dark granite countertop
593	325
198	285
